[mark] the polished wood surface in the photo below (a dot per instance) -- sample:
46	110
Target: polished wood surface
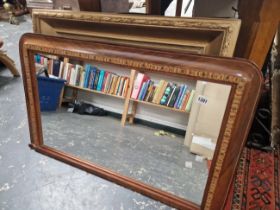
7	61
153	7
260	19
244	77
179	8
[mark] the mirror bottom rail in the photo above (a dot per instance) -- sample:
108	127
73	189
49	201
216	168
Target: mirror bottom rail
102	172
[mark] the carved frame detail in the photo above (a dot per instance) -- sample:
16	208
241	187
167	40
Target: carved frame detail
229	28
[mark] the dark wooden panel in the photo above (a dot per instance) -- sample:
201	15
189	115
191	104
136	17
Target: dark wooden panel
260	20
90	5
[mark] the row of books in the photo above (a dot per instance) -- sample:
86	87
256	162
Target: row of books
87	76
105	81
52	62
165	93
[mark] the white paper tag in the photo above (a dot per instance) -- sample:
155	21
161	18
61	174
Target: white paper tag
188	164
203	141
202	100
199	158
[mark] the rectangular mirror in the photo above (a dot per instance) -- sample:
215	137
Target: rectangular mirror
168	125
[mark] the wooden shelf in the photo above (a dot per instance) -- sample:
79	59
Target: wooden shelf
94	91
158	105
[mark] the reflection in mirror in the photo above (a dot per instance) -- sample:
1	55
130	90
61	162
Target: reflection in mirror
157	128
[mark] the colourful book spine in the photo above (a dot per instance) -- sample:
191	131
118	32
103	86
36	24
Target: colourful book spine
87	73
113	85
161	92
96	78
38	58
117	85
61	69
42	60
72	76
146	90
120	86
190	101
138	84
171	95
182	97
56	67
92	77
166	95
100	80
149	90
186	100
142	90
108	82
126	83
79	73
179	96
157	90
151	97
104	81
82	79
67	73
174	97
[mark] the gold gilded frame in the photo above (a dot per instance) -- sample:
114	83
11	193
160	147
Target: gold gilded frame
244	78
196	35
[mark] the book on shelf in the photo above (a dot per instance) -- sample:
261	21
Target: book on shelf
100	80
140	79
189	104
96	78
161	91
185	100
157	91
87	76
56	67
51	62
166	95
177	96
180	99
174	96
104	81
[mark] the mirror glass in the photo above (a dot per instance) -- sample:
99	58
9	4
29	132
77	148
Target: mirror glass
160	129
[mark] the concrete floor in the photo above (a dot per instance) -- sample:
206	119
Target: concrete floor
133	151
31	181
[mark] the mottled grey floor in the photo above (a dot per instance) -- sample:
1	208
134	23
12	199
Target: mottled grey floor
31	181
133	151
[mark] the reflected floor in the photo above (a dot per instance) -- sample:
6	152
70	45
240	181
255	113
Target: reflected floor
133	151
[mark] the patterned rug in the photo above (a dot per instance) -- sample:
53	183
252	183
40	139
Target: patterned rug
256	184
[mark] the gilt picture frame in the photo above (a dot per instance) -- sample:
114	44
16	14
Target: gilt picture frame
195	35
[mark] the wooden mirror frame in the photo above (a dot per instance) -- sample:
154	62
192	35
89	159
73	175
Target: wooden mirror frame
212	36
244	77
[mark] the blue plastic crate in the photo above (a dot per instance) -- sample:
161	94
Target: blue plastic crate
49	92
